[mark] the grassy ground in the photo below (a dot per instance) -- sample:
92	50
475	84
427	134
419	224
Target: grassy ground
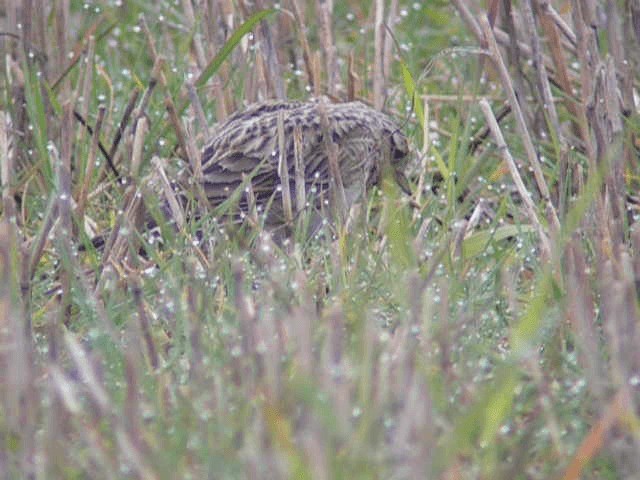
486	327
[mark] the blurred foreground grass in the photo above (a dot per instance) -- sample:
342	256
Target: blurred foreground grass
456	334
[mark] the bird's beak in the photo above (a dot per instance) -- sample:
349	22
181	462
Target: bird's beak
402	181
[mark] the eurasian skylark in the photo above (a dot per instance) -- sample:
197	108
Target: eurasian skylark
279	158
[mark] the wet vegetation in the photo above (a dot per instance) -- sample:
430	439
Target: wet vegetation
484	327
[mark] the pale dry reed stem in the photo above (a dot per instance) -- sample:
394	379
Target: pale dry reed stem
331	150
378	48
324	9
6	165
306	50
177	213
283	171
521	125
525	195
301	194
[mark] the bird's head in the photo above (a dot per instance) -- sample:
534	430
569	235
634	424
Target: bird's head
399	149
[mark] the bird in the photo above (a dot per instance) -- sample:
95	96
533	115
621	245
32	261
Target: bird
275	158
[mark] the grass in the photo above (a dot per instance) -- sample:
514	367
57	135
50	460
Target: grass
462	333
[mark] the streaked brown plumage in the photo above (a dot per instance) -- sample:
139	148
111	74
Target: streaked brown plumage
242	169
247	147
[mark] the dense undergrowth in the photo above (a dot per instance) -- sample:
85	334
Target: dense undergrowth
485	327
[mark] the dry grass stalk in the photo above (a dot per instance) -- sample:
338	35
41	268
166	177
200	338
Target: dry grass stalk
39	242
525	195
353	81
185	142
252	206
607	125
9	43
324	10
64	388
18	396
317	69
424	151
387	56
156	74
127	444
7	153
221	95
198	111
64	231
334	366
550	23
302	37
594	441
586	52
124	121
86	85
415	435
131	408
544	89
137	151
89	289
259	82
196	42
181	136
108	125
544	5
86	180
635	246
339	198
475	217
247	317
177	213
515	59
283	171
552	422
378	47
116	246
503	38
299	169
581	316
621	317
302	319
79	49
132	211
274	70
469	17
521	125
62	31
212	21
621	327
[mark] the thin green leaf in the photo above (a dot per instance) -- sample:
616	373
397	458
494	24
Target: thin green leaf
37	119
498	406
228	47
53	99
476	244
444	170
398	228
410	87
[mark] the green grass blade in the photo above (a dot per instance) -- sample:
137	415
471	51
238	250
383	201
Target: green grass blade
410	87
38	119
228	47
476	244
